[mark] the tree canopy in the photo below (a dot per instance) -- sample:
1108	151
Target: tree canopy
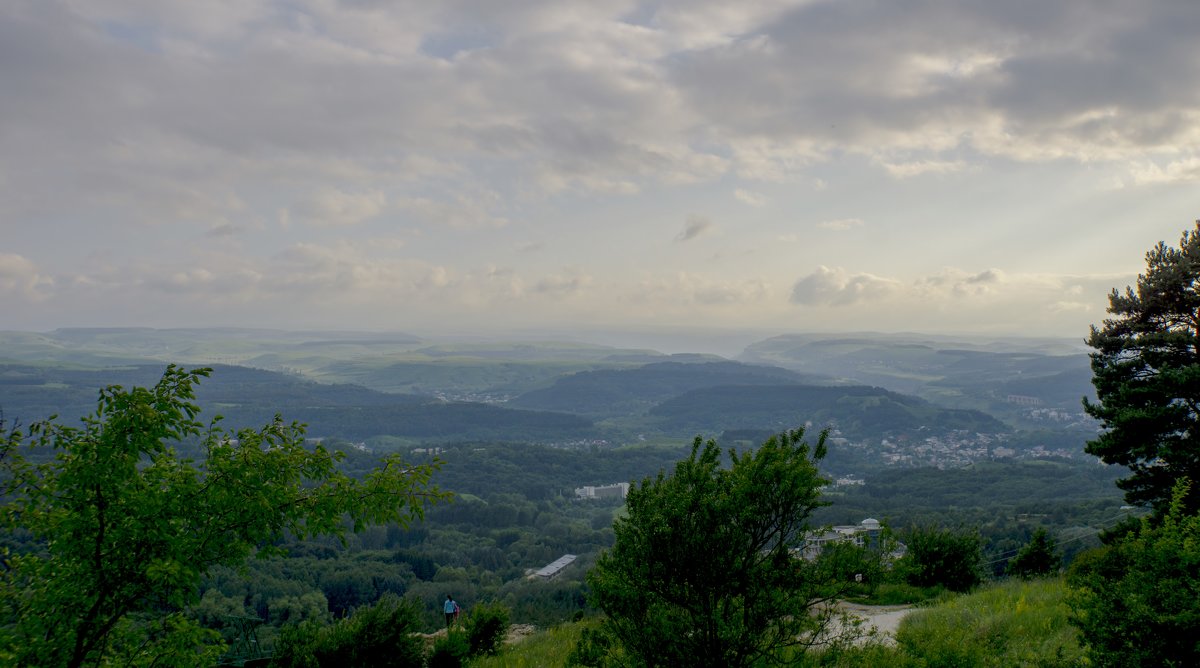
126	527
1137	602
1146	371
1037	558
704	571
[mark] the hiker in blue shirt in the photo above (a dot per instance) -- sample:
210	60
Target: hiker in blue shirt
451	610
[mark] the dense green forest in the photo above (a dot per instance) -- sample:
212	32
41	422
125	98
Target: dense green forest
516	511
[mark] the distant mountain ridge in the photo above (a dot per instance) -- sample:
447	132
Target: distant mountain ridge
615	392
856	410
951	371
248	397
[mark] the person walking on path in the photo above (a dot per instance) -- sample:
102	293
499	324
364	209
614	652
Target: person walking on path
451	610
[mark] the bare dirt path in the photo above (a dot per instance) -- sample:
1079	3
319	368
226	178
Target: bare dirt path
884	618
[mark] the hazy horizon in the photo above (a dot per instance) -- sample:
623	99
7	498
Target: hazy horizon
728	343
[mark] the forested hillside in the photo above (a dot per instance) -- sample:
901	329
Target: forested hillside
253	396
855	410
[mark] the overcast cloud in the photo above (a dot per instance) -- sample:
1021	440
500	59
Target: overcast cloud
964	165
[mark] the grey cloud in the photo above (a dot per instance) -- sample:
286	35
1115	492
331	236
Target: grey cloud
932	75
179	123
836	287
988	276
958	283
694	226
222	231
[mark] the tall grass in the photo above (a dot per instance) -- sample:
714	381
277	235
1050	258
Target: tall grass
541	650
1014	623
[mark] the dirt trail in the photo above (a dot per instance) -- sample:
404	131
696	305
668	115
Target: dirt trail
885	618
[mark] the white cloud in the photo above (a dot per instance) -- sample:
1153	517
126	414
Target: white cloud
837	287
1185	170
750	197
905	170
20	276
332	207
841	224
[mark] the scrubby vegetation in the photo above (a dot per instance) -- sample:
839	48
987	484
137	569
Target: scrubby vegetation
382	634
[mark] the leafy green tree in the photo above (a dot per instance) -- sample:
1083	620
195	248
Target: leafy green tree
937	557
1038	557
126	527
705	571
1137	602
1146	372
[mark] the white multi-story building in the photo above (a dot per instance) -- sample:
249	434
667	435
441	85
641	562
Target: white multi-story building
617	490
863	534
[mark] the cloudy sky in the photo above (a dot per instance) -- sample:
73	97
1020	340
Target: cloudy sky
474	166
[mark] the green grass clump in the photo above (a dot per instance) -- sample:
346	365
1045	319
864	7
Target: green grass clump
898	593
546	648
1015	623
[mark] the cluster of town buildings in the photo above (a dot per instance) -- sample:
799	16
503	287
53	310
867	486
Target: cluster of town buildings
950	450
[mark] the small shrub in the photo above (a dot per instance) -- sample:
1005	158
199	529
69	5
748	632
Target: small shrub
486	626
381	634
592	649
451	650
948	558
